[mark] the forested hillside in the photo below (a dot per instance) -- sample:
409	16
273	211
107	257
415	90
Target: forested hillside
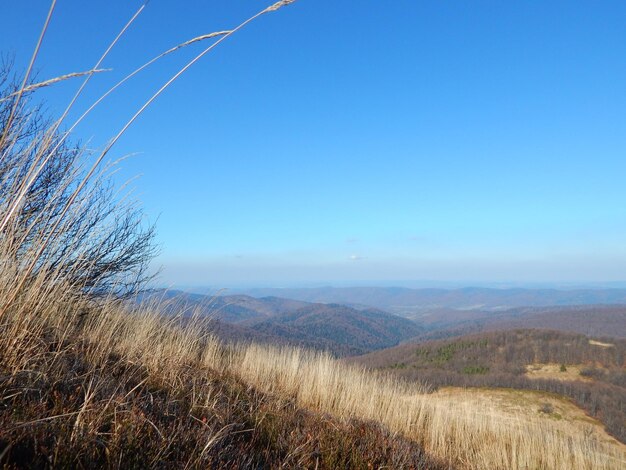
590	372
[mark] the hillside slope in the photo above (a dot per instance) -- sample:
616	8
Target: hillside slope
340	329
90	384
593	372
226	308
67	412
600	320
591	320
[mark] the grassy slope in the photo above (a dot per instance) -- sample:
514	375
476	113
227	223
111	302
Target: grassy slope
67	412
533	404
507	359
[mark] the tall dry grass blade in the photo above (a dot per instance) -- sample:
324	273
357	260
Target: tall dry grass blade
45	151
52	81
139	69
104	55
28	72
96	103
272	8
278	5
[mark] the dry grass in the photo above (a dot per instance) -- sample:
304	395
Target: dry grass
460	432
465	433
560	412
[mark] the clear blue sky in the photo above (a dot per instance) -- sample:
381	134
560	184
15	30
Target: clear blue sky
364	140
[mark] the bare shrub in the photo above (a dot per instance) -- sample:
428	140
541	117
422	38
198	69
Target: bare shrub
546	408
98	244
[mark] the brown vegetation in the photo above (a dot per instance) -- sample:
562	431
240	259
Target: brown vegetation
122	385
67	412
590	320
532	404
502	359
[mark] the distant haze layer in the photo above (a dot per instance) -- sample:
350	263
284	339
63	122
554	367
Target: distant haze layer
400	300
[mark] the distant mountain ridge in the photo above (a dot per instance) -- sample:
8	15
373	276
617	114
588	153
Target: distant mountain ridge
353	331
591	320
442	313
339	329
227	308
405	301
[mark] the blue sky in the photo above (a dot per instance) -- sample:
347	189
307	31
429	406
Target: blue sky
360	141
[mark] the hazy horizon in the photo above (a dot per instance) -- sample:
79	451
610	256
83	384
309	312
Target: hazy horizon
410	284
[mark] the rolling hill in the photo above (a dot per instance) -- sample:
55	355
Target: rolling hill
592	372
410	302
592	320
342	330
226	308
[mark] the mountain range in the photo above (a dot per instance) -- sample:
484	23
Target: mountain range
315	318
413	302
336	328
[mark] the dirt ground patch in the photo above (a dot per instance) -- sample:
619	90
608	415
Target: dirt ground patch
568	373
